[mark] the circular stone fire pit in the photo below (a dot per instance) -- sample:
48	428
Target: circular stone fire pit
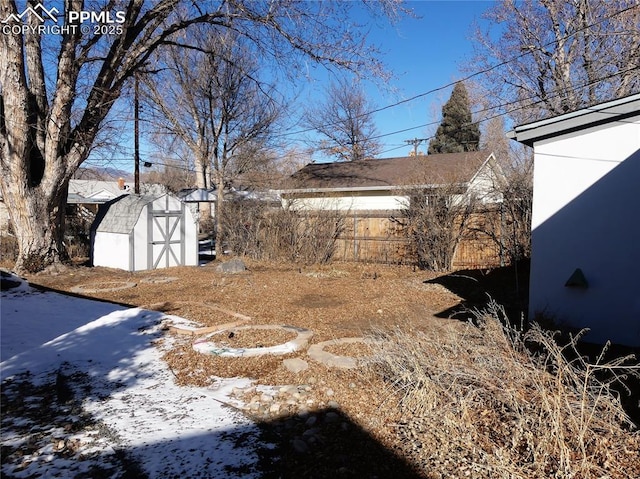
159	279
103	287
207	346
317	353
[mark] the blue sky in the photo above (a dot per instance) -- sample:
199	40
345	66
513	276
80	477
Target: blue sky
424	54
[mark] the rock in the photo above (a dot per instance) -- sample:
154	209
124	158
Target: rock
331	417
288	389
232	266
300	446
311	432
295	365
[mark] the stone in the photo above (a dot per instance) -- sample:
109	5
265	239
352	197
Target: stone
300	446
311	432
274	408
295	365
331	417
288	389
232	266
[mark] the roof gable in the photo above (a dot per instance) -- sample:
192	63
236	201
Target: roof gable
435	170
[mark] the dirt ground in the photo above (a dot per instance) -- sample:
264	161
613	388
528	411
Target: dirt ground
347	425
337	301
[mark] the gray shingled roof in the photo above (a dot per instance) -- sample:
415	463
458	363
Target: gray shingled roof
121	214
438	169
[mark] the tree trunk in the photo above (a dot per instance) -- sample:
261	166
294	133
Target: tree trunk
203	181
219	209
38	220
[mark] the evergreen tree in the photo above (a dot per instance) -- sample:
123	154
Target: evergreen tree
457	132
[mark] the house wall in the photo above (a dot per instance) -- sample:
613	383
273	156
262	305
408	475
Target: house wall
485	184
111	250
585	215
365	201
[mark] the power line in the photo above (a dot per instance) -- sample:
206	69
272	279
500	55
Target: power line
477	73
472	75
415	142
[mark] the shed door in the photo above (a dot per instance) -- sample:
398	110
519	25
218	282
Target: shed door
166	238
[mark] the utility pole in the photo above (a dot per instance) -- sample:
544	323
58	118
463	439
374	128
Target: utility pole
136	138
415	142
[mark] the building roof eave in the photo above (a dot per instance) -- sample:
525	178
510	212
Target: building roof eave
603	113
357	189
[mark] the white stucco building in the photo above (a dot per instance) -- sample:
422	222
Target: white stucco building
586	219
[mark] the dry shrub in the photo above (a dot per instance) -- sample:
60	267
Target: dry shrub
437	223
483	403
260	232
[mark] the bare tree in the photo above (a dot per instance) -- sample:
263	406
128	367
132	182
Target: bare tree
513	233
555	56
437	220
50	115
170	173
210	99
345	123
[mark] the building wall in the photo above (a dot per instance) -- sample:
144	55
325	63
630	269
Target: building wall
111	250
140	238
361	201
586	206
485	185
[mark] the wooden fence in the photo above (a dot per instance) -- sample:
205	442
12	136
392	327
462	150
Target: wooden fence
383	237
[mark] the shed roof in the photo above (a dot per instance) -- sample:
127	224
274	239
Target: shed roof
615	110
121	214
440	169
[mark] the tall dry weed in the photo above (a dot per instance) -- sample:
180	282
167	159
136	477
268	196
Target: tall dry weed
493	402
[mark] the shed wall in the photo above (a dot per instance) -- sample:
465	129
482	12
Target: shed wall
586	206
139	259
112	250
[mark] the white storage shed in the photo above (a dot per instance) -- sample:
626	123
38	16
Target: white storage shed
585	231
137	233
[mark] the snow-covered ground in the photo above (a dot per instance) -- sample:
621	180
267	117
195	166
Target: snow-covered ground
109	357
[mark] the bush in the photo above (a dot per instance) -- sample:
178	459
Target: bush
261	232
483	399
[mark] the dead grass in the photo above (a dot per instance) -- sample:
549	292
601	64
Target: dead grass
504	411
460	400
